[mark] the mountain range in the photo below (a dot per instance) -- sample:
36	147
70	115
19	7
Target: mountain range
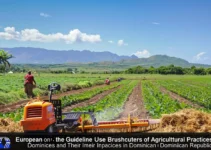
29	55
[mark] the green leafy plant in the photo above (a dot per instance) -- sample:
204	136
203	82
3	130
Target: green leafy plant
111	106
158	103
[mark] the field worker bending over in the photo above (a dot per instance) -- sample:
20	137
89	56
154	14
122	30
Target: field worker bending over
28	84
107	81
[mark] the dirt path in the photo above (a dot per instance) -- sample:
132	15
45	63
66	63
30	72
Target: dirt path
134	105
179	98
91	101
22	103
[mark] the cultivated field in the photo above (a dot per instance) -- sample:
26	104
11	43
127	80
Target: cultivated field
12	88
142	96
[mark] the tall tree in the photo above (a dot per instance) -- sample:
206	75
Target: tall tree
4	56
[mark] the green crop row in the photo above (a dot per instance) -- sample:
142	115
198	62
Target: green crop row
197	94
110	106
12	85
192	84
68	100
158	103
76	98
16	115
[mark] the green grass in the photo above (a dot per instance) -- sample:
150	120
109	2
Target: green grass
12	88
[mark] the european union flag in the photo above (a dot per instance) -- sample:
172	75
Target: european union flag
4	143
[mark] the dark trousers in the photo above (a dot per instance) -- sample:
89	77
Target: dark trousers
29	90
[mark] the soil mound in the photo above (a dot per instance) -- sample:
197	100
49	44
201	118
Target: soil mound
7	125
186	120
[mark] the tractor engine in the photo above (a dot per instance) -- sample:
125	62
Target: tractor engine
38	116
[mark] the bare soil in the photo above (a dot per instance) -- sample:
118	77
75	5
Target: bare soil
22	103
179	98
91	101
134	105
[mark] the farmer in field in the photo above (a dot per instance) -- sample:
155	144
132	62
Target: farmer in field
28	84
107	81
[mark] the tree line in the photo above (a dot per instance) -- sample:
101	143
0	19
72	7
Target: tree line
171	69
165	70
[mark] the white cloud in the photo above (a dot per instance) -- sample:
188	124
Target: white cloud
142	54
9	33
44	15
110	42
156	23
199	56
34	35
121	43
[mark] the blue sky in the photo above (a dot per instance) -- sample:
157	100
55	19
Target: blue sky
180	28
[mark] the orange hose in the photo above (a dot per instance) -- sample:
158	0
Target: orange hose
112	126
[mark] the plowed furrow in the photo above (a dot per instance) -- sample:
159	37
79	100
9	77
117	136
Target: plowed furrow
179	98
134	105
91	101
22	103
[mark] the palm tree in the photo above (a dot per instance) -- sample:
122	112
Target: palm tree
4	56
